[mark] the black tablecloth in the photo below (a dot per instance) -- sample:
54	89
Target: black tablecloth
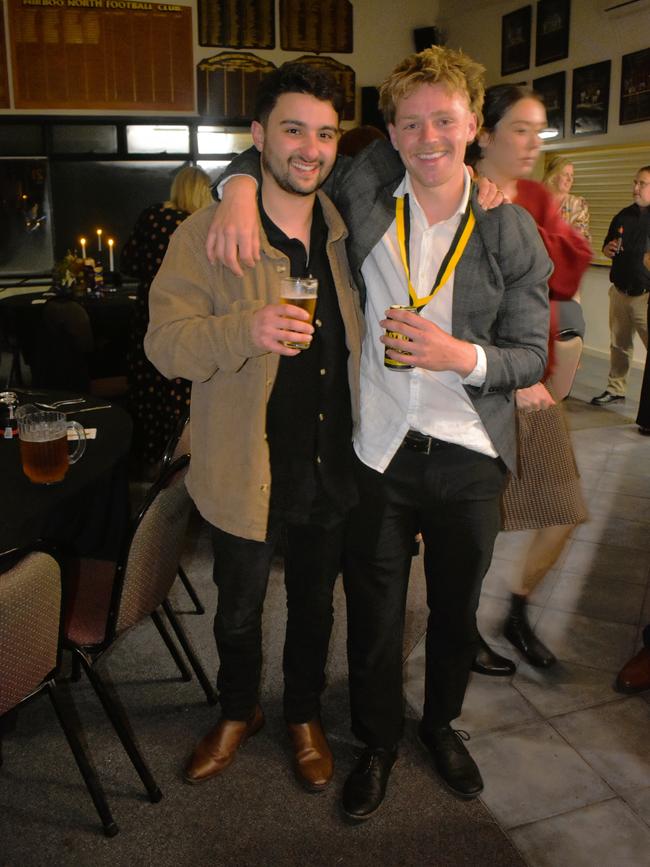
110	318
86	514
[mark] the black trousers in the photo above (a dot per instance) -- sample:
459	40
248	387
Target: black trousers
312	559
452	496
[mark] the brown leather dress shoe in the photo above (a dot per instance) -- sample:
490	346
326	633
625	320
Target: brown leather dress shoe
216	751
635	674
313	760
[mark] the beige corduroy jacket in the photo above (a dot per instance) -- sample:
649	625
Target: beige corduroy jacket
199	328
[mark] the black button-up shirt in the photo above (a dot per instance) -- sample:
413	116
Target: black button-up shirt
309	419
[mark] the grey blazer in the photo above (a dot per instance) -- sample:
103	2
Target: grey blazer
500	284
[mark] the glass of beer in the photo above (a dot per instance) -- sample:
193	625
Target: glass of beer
43	436
301	292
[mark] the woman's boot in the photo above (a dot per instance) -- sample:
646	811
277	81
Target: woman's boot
518	631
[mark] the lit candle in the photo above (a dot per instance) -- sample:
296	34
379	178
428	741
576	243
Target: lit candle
99	240
111	266
82	241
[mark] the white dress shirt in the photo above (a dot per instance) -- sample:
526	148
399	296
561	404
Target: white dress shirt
395	401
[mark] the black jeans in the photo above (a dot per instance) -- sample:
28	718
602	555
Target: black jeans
312	558
452	497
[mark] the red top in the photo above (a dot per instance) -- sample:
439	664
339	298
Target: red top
569	251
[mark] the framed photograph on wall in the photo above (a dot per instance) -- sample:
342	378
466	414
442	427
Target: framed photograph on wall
635	87
552	89
590	98
552	34
515	40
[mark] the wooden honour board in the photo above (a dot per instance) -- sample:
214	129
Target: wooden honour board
237	23
4	71
322	26
101	54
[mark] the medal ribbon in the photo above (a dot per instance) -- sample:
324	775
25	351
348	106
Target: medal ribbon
455	251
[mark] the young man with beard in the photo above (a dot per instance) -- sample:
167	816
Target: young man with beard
435	437
271	426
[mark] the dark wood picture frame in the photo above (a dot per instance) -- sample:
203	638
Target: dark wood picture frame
552	89
552	32
635	87
515	40
590	98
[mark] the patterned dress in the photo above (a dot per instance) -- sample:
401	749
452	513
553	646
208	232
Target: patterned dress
155	402
575	211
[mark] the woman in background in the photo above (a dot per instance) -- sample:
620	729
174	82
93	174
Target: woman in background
156	403
546	495
558	177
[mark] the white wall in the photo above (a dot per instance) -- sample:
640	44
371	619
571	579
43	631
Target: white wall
475	26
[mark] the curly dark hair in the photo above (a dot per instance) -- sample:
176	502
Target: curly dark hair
296	78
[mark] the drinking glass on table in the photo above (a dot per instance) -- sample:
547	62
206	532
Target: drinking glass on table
301	292
43	437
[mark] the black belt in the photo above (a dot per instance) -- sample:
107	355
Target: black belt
415	441
630	293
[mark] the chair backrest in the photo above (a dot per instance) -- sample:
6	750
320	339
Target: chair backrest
64	344
178	444
30	616
148	569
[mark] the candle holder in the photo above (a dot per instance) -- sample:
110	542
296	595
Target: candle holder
112	281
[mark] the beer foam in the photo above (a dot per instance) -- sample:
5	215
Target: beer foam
40	433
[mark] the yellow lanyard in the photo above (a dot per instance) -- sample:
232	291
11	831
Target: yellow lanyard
456	248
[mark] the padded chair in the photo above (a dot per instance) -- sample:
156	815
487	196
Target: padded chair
65	350
63	347
30	652
105	600
180	444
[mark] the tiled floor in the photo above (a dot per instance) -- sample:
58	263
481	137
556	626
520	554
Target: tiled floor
566	759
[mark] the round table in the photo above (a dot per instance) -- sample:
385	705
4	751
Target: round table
110	317
87	514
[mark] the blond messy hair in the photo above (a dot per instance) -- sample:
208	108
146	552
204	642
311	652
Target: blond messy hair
190	190
435	65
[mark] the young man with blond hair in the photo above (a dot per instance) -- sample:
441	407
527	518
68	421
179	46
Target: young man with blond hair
435	437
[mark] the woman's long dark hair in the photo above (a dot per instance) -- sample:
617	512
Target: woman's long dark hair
498	100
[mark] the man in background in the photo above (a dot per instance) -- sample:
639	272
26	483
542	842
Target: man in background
627	244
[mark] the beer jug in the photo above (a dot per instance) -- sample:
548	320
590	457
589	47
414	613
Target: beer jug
43	437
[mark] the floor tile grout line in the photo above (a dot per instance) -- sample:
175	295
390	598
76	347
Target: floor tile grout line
568	812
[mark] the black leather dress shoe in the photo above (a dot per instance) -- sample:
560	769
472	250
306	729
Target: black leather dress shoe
488	661
453	764
606	397
365	788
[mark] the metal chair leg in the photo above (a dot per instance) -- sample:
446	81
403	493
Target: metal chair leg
119	723
186	674
183	640
87	772
191	592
